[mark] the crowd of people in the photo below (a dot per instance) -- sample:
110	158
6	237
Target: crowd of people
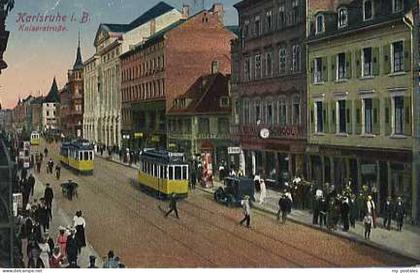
126	155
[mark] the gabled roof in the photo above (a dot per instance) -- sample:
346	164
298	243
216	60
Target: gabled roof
204	95
156	11
78	64
53	95
38	100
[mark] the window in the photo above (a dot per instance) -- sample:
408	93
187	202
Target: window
294	12
269	20
319	27
318	70
342	17
258	66
296	110
341	67
342	116
397	5
367	62
319	117
282	61
247	69
368	112
224	101
270	114
257	26
246	112
399	115
171	173
367	10
257	110
204	125
296	57
281	16
178	173
185	172
269	64
223	125
398	56
282	111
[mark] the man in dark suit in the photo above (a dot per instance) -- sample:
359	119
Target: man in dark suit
388	211
345	208
399	213
72	250
172	206
48	196
31	181
354	212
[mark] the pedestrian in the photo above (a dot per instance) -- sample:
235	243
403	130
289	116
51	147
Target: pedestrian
193	179
45	250
388	211
368	222
48	197
80	225
31	181
42	156
285	206
23	173
353	213
257	179
23	236
50	166
247	211
316	209
221	172
57	258
331	214
92	260
71	249
35	260
323	211
38	166
110	261
26	192
57	171
399	213
172	206
45	152
62	241
263	191
44	217
345	209
371	209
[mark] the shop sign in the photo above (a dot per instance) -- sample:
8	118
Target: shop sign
138	135
234	150
368	168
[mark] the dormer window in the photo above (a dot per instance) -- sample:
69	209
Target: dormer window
367	10
342	17
397	5
320	25
224	101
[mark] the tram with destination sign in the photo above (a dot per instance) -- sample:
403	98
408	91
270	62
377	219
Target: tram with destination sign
164	172
77	155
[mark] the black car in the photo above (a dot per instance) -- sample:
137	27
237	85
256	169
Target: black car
236	188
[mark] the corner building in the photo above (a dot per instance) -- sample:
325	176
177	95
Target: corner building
269	87
360	88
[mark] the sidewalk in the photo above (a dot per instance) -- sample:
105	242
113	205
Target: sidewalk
405	243
60	218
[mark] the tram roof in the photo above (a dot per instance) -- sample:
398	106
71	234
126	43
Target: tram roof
80	145
163	156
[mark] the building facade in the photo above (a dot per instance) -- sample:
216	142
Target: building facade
36	108
50	116
269	88
198	121
156	72
65	106
360	89
102	117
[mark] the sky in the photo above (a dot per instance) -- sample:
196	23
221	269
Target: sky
35	58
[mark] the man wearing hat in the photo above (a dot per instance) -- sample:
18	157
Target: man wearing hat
388	210
247	211
354	211
92	260
172	206
72	249
400	213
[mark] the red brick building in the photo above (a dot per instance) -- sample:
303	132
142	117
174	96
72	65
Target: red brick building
164	67
269	87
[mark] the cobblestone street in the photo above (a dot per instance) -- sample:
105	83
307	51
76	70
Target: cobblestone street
121	217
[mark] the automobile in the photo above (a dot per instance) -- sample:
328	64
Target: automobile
235	190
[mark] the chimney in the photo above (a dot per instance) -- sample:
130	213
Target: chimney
218	9
185	11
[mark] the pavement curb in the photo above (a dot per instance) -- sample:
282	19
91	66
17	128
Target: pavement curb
337	234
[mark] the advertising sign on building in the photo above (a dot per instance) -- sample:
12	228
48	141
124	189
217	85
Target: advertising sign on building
234	150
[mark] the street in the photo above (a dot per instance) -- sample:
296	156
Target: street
121	217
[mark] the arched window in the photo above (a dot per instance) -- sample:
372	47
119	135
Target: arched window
296	110
296	58
282	111
342	17
257	117
246	111
270	111
368	11
320	25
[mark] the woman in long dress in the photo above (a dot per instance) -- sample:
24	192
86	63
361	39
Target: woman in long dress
263	191
80	224
45	250
62	241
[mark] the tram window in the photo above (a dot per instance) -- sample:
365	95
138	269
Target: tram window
171	172
162	172
177	172
86	155
154	170
165	175
184	172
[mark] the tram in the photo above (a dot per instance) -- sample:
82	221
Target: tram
77	155
35	139
164	172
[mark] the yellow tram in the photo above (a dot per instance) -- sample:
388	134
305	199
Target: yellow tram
164	172
77	155
35	138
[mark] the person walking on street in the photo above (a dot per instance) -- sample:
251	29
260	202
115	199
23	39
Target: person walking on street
193	179
172	206
50	166
31	181
56	259
263	191
45	250
247	211
71	249
353	213
45	152
80	225
388	210
285	206
62	241
345	209
44	217
400	213
57	171
368	222
323	211
48	197
38	166
371	209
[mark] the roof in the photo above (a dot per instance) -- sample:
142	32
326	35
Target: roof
78	64
204	95
162	156
38	100
156	11
119	28
53	95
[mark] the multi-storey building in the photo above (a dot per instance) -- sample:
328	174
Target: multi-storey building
65	106
50	109
21	115
269	87
198	121
102	74
360	90
36	109
162	68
